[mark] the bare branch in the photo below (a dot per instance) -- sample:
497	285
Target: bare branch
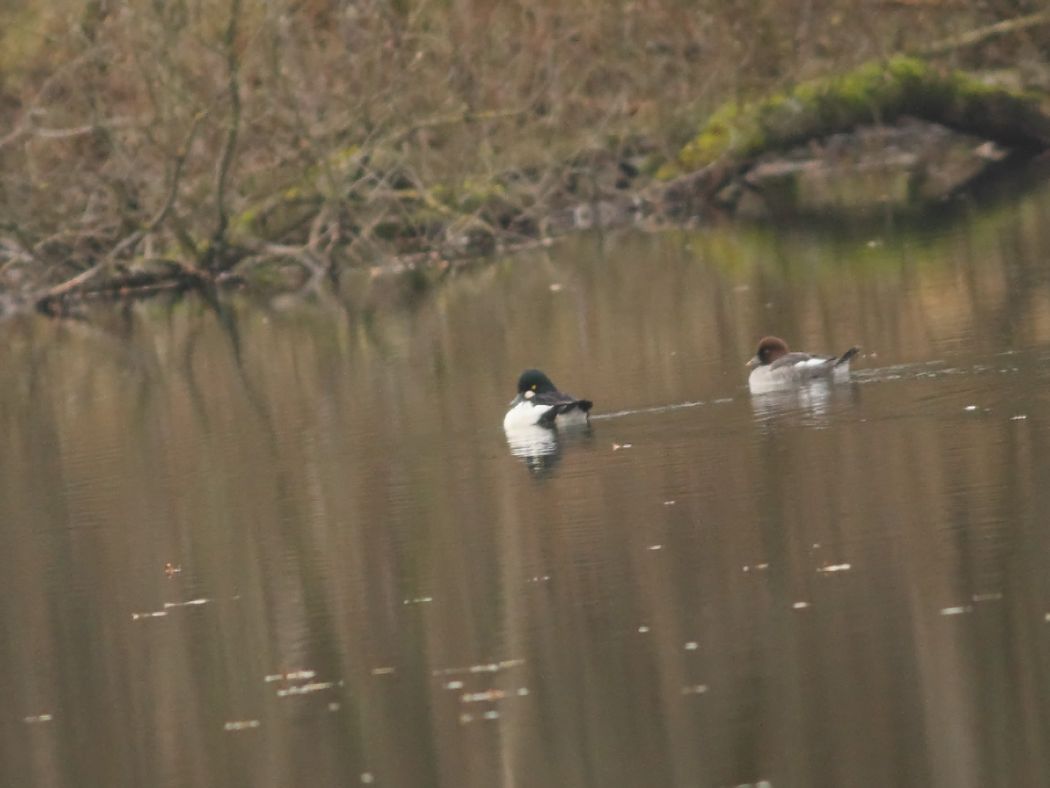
229	146
982	34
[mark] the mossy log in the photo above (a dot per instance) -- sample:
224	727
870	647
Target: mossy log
873	93
876	93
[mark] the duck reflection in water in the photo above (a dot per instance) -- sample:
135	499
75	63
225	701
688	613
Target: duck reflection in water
541	448
812	404
537	446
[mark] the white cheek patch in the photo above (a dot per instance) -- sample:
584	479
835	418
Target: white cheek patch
530	394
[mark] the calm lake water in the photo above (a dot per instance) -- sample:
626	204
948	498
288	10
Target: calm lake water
289	545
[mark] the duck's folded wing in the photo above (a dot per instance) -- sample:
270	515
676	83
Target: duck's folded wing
560	403
553	398
800	361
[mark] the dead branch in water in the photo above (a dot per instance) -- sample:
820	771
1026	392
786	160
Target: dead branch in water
45	302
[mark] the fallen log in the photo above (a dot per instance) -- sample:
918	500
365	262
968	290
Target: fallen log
737	135
875	93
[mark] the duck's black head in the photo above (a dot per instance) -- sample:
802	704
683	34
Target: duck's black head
769	350
535	381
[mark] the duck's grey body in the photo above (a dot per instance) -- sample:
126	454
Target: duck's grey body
774	366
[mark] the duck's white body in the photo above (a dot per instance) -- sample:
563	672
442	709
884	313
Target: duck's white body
769	377
526	414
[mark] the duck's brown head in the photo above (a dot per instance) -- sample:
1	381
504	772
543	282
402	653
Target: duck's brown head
769	350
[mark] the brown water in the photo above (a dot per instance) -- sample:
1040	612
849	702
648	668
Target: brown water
366	586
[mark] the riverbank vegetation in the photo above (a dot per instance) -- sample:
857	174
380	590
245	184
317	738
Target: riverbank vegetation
148	145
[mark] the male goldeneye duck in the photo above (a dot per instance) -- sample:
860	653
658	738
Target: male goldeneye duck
774	366
539	402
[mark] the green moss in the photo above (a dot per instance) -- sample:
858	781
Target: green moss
473	194
246	220
874	92
348	156
668	170
732	126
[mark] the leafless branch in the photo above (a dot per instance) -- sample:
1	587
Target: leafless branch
222	170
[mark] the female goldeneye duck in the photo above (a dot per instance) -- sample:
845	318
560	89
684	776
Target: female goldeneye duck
774	366
539	402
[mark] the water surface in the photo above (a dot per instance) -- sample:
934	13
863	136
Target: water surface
290	545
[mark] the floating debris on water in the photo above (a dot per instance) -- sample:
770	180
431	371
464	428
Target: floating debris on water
367	778
1019	417
454	685
834	568
970	408
483	696
956	611
419	600
292	675
492	695
656	547
755	567
36	719
692	645
383	671
334	706
539	579
694	689
618	446
721	401
643	628
189	603
800	605
171	569
305	689
153	614
488	715
485	667
241	725
555	287
669	503
993	596
495	666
